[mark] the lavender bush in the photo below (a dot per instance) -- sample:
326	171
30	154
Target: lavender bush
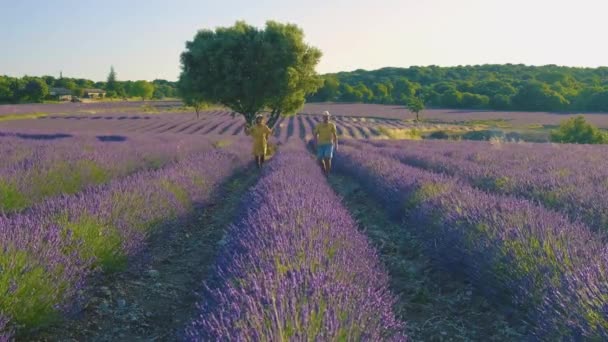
296	268
47	253
532	260
5	332
569	178
31	171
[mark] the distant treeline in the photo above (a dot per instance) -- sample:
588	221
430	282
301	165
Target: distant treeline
497	87
37	89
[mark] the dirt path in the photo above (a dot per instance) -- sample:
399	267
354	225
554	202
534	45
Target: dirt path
434	305
154	301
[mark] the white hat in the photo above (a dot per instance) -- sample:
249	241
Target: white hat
326	113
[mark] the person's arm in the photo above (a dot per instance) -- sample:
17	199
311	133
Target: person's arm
335	136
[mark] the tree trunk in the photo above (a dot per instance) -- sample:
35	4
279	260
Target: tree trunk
274	117
417	116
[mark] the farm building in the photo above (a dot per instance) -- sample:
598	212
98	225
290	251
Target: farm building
94	93
61	94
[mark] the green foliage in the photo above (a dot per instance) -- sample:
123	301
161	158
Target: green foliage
539	96
451	99
67	178
35	90
251	70
502	87
190	96
143	89
500	102
415	105
439	135
483	135
329	92
11	199
100	241
578	131
470	100
111	83
599	101
33	293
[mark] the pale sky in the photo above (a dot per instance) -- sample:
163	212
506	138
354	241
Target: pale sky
144	38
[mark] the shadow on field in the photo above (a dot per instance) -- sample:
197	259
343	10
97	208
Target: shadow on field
111	138
37	136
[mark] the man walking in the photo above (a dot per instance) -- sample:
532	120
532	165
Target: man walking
326	139
260	133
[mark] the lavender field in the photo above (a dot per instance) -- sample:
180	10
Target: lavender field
131	226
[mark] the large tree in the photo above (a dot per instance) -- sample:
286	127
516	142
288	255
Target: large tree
250	70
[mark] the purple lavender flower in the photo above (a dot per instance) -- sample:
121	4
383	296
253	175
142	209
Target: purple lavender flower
518	253
295	267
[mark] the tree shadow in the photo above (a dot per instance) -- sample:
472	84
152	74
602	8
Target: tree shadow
111	138
31	136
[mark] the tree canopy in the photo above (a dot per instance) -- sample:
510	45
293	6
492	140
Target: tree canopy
499	87
251	70
143	89
36	89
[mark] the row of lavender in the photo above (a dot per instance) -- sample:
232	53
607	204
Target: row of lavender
82	107
47	254
32	170
295	268
534	262
569	178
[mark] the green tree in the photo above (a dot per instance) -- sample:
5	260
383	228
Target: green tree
451	99
6	93
190	96
143	89
538	96
78	92
474	101
17	88
578	131
251	70
349	94
367	95
492	88
111	83
500	102
35	90
404	90
330	91
598	101
66	83
415	105
382	93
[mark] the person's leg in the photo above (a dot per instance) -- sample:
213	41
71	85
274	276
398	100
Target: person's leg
328	165
262	160
258	162
320	157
